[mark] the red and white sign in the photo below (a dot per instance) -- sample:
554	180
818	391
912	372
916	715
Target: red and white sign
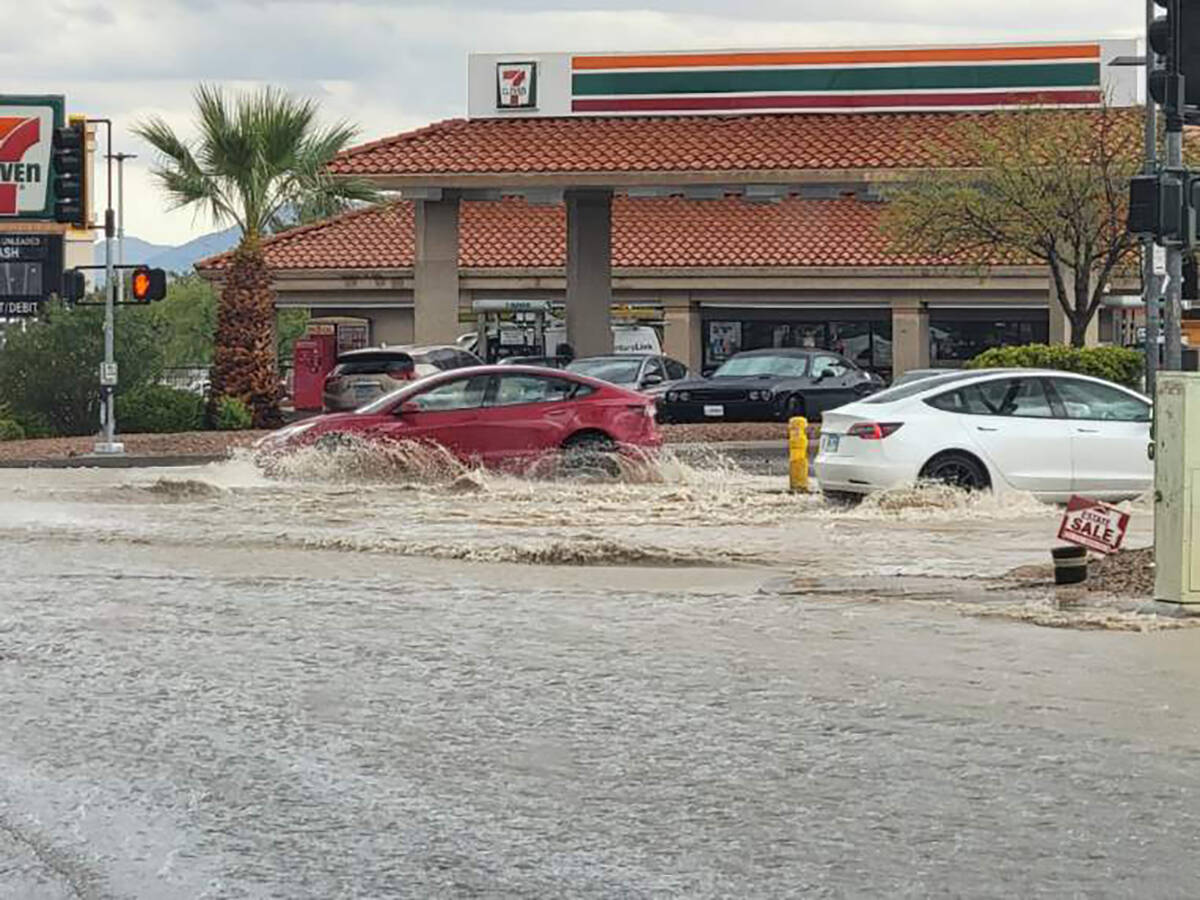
1092	524
516	85
26	133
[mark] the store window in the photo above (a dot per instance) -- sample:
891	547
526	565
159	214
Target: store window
960	335
867	342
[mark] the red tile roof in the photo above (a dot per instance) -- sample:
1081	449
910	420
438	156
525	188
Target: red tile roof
668	232
744	143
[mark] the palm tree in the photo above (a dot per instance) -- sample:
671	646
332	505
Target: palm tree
260	160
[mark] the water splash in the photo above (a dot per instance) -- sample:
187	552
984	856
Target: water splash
937	502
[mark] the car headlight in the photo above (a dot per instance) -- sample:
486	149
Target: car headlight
685	396
670	396
766	395
753	395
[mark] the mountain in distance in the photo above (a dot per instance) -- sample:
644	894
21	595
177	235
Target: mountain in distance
173	259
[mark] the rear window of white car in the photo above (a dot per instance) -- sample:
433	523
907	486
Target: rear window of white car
912	388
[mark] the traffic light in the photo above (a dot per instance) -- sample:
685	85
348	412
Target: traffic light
74	285
68	153
1160	207
147	284
1174	37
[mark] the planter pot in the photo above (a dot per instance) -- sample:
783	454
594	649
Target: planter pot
1070	564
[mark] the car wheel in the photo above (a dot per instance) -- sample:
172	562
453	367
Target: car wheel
794	407
957	469
590	454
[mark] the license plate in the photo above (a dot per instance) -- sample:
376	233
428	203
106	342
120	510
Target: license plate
716	411
365	390
830	442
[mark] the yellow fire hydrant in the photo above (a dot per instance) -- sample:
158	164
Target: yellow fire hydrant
798	454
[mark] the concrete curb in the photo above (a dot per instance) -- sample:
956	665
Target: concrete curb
122	461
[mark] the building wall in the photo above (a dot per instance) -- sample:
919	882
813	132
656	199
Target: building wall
888	320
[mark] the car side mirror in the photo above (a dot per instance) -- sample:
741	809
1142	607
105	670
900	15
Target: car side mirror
824	373
407	407
652	379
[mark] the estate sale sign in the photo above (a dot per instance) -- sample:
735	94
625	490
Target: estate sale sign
1095	525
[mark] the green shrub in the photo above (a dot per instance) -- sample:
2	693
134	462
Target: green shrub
158	409
11	430
49	370
1116	364
231	414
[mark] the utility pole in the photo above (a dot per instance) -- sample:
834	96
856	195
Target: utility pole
120	158
108	368
1151	280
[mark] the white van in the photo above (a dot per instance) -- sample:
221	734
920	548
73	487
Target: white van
626	338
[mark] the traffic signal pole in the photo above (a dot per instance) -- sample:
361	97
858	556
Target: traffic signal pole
108	369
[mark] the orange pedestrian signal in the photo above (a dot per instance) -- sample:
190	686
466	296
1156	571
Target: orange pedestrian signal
148	284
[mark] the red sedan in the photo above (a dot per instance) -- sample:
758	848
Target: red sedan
497	415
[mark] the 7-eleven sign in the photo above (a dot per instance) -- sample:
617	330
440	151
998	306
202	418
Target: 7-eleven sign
26	135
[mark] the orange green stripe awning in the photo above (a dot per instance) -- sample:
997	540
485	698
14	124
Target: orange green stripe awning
1014	53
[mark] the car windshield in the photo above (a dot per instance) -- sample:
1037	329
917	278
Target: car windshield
741	366
920	385
614	371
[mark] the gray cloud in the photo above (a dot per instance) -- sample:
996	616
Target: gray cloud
390	65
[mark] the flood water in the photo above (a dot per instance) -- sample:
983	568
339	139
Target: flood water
359	679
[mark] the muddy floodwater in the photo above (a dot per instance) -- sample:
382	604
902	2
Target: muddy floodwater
364	678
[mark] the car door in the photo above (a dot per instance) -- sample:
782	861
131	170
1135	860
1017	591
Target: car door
526	415
1110	434
446	414
1015	423
652	374
833	383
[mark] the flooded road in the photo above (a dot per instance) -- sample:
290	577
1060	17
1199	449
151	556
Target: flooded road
689	683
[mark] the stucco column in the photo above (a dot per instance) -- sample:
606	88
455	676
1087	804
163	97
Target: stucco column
589	272
682	337
910	336
435	271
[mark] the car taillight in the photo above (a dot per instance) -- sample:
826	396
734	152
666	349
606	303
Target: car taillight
873	431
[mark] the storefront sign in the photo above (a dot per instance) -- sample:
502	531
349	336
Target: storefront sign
1092	524
26	134
812	80
30	271
516	85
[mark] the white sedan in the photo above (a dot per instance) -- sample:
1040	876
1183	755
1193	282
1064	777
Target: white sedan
1050	433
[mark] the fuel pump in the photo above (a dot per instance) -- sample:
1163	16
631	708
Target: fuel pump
499	324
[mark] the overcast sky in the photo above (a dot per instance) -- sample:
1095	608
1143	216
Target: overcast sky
391	65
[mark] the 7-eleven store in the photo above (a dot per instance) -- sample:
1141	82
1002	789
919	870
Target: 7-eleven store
733	198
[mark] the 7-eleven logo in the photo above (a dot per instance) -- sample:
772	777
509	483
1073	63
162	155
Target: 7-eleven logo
18	134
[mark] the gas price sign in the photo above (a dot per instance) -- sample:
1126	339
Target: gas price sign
30	270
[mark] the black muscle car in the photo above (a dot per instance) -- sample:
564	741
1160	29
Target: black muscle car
769	386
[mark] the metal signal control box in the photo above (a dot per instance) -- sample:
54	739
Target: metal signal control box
1177	487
